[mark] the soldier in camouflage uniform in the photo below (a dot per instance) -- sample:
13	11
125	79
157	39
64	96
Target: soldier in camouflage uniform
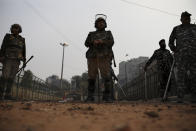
164	61
12	52
182	42
99	56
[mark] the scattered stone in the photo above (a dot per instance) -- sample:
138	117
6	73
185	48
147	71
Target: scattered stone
151	114
168	107
6	106
90	108
27	106
159	109
193	106
74	108
123	127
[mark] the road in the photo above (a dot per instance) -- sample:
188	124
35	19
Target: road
118	116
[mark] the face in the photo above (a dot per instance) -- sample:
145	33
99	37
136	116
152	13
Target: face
100	25
185	19
15	30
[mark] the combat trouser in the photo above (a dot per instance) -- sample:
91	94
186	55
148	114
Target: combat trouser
103	64
10	68
186	75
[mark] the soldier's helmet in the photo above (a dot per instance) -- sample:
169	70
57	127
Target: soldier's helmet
100	17
185	14
16	26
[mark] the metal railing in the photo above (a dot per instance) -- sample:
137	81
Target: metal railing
146	88
35	89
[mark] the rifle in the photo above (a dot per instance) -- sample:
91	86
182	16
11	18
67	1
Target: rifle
25	64
168	81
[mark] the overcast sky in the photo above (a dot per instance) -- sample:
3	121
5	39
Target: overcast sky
46	23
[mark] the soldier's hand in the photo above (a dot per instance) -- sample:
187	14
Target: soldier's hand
96	42
24	64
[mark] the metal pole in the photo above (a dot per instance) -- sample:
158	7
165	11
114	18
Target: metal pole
64	44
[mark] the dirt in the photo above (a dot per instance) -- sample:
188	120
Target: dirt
118	116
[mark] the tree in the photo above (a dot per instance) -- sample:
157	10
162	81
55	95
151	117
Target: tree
75	81
27	79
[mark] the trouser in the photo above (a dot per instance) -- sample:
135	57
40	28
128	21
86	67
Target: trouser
103	64
186	75
163	78
10	68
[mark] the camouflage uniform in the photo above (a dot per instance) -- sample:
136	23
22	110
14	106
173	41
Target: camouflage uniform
99	57
164	61
185	56
12	51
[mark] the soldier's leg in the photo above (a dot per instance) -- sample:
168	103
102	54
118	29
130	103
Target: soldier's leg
92	73
5	76
14	68
104	66
192	81
162	83
180	78
1	86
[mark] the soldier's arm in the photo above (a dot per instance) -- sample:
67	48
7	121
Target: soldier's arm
172	39
88	41
3	46
24	51
152	58
109	42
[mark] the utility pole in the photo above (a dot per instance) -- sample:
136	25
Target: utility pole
63	45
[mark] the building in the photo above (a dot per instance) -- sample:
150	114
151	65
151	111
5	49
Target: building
128	70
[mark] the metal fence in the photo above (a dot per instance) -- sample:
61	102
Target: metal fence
35	89
146	87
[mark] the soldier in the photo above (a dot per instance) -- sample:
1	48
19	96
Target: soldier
12	52
98	56
164	62
184	49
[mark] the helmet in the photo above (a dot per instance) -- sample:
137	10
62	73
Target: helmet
100	17
16	26
185	14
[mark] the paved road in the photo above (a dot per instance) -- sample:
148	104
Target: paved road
123	116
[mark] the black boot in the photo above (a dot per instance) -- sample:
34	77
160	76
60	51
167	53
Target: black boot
91	89
180	98
2	81
9	84
107	92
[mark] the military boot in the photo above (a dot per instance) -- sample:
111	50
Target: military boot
180	98
193	97
1	88
8	95
107	92
91	89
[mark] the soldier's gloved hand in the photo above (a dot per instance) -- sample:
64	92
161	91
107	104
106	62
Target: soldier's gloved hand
24	64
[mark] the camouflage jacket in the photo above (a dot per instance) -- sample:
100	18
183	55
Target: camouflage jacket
102	50
184	37
164	59
13	47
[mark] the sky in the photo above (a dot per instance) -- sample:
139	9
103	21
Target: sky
136	25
